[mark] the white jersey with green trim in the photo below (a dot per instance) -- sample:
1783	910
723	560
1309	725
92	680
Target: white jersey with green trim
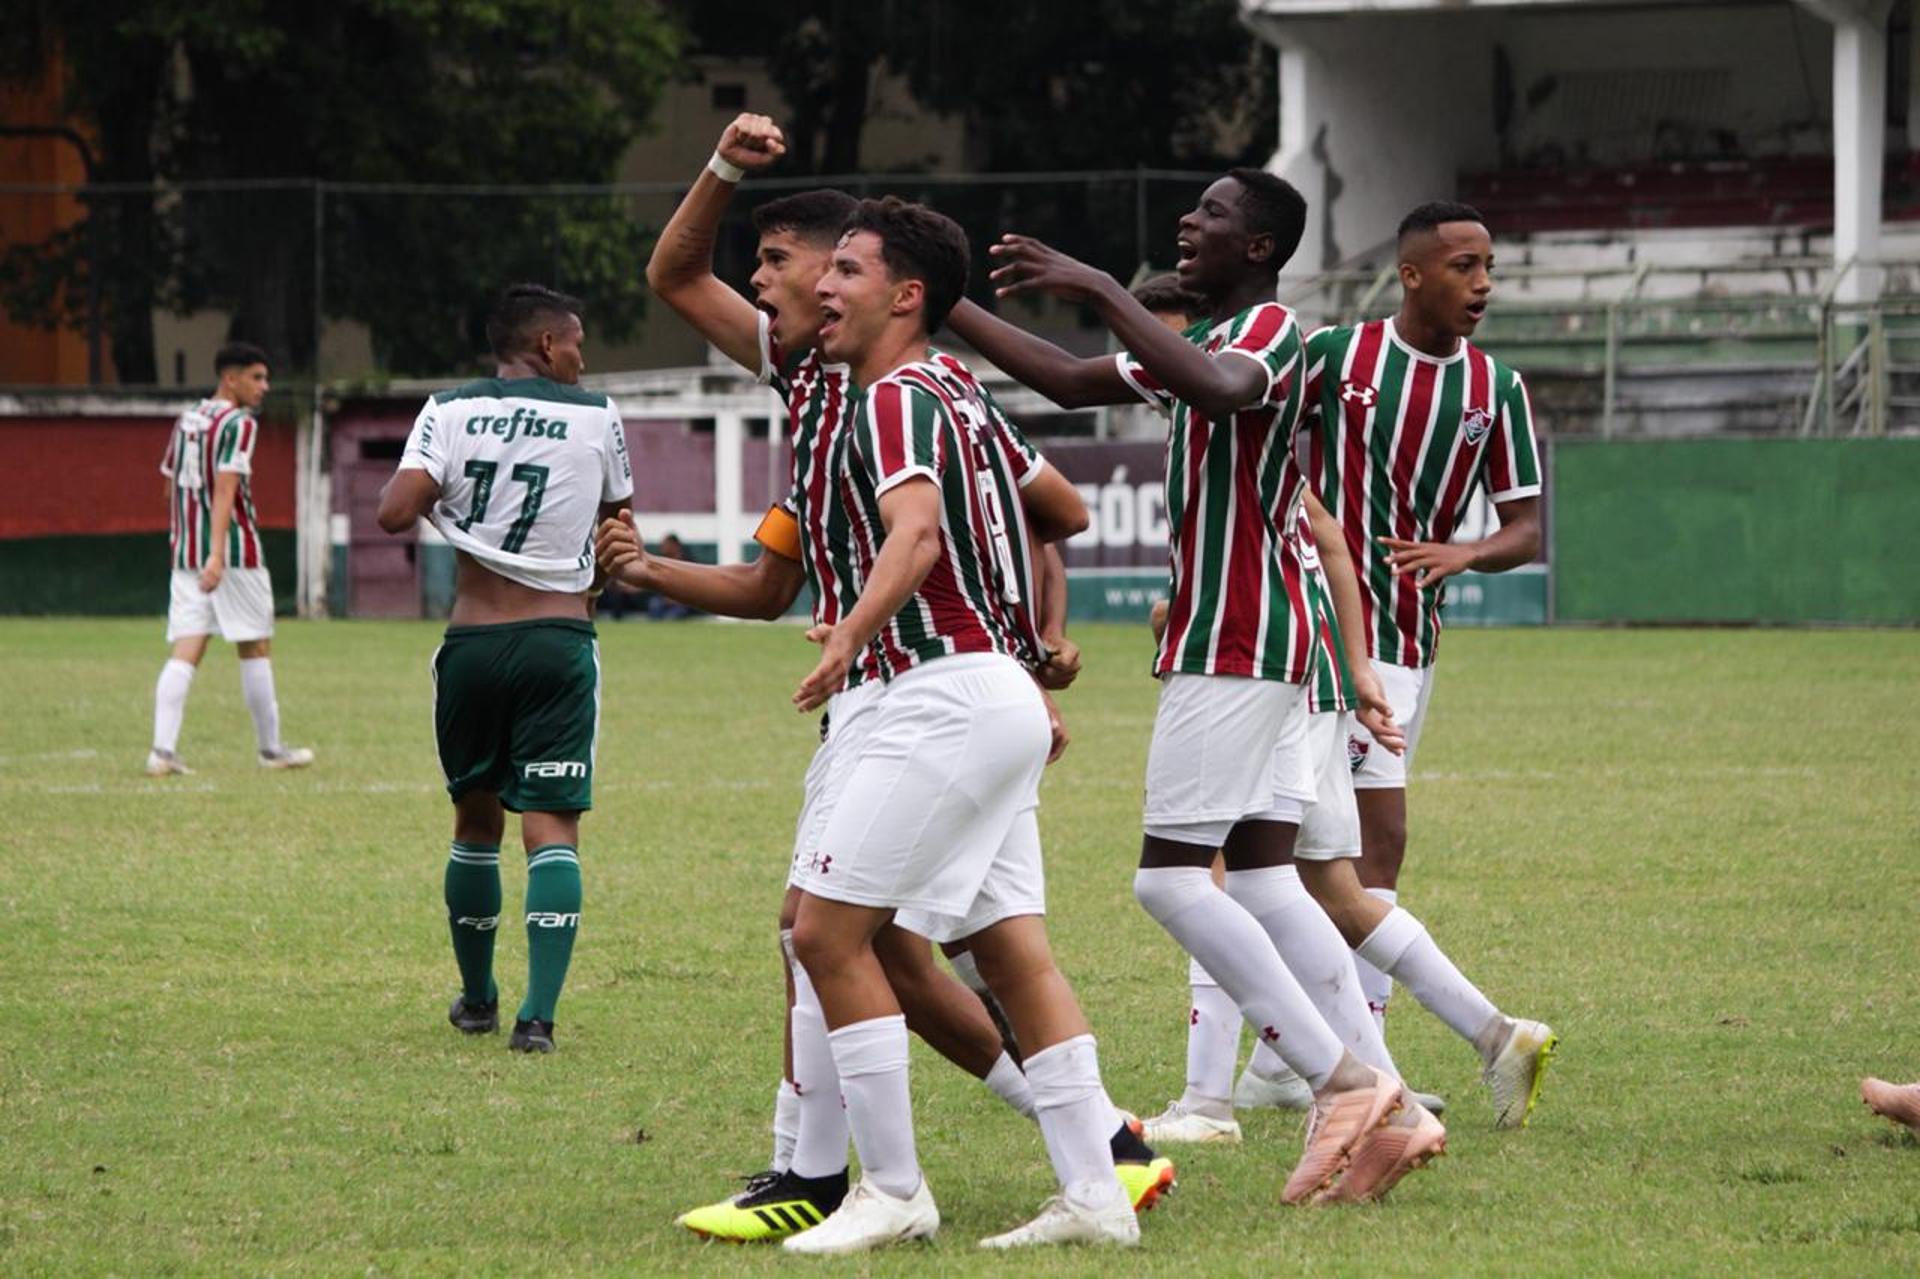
523	465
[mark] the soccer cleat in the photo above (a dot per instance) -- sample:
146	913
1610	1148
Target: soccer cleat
286	757
1515	1074
163	763
1063	1221
1428	1100
1335	1125
474	1019
1282	1092
773	1206
870	1218
1144	1175
531	1036
1898	1102
1411	1138
1176	1125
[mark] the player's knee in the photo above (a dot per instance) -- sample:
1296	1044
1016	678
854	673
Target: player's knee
819	947
1168	892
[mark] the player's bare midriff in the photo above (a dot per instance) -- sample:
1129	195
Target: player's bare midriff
483	597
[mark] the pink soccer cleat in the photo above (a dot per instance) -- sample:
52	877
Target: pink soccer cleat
1336	1124
1411	1138
1898	1102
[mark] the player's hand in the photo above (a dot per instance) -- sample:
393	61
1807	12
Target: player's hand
1157	619
621	553
210	575
836	657
752	141
1028	266
1431	563
1057	726
1062	666
1375	712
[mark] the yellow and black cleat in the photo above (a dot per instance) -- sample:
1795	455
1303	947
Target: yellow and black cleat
771	1208
1145	1174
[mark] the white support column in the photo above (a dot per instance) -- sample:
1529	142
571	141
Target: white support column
1913	79
729	434
1859	137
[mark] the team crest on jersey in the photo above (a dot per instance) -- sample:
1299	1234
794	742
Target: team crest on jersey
1360	393
1475	424
1357	753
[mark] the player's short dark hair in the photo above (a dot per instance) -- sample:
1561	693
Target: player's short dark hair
520	312
817	216
1162	294
1435	212
237	355
919	244
1273	207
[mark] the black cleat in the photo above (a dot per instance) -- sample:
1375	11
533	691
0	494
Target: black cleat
474	1019
531	1036
1145	1175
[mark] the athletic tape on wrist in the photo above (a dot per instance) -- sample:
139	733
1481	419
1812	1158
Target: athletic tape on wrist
724	170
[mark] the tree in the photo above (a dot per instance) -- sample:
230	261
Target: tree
424	92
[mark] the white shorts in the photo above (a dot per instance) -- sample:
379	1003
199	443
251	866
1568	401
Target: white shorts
1331	827
928	818
1225	749
240	608
1407	688
849	715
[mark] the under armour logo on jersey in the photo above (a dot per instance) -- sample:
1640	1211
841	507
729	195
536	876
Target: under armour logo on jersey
1359	393
1269	1034
1475	423
1357	753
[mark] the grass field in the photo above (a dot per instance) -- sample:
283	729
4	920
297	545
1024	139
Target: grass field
224	1045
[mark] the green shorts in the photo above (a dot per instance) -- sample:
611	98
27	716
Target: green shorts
516	711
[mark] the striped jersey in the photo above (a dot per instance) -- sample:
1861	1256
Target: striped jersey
1237	606
211	437
1400	441
524	465
1329	682
931	419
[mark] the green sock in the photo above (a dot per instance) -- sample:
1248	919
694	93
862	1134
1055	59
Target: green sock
473	916
553	917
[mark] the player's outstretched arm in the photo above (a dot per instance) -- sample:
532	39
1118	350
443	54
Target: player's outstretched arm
681	268
1216	387
910	514
764	589
1371	707
1071	381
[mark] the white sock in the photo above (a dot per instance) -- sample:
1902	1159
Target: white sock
1010	1085
1374	984
1213	1045
1402	947
1218	931
820	1137
786	1125
1268	1064
968	972
1315	953
170	703
872	1057
1072	1109
256	685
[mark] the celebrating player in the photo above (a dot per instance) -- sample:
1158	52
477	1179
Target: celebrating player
1237	646
220	579
1411	418
515	471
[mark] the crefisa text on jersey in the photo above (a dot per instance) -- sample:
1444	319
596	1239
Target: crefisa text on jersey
523	422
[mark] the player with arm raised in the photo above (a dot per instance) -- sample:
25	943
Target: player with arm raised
220	580
515	471
1237	646
1409	419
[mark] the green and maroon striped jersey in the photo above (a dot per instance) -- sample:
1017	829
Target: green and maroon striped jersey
1329	682
210	437
1237	606
931	419
1399	442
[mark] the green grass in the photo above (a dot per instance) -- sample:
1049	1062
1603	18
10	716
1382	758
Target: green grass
223	1045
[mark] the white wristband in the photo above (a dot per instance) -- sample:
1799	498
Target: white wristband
724	170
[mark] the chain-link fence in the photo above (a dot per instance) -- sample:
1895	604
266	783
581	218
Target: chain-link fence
349	282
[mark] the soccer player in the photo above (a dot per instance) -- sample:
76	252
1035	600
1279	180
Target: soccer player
1239	633
1410	418
220	579
515	471
936	817
806	541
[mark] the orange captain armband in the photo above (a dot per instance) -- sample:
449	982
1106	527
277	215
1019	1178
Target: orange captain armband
779	532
